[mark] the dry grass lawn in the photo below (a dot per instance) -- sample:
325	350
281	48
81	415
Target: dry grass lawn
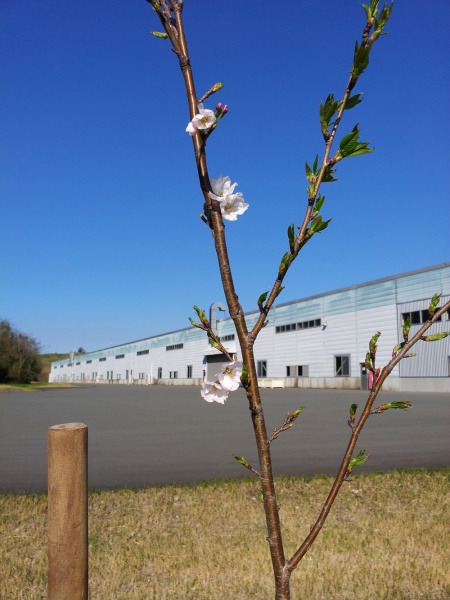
387	538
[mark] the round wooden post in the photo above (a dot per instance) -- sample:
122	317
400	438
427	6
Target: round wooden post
67	512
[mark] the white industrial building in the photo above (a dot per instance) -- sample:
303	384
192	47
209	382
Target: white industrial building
315	342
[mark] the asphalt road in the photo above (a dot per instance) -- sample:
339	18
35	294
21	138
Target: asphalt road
151	435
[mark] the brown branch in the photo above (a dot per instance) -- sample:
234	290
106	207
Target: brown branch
216	224
286	424
340	477
301	237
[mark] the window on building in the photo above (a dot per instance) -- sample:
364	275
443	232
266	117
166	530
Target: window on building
173	374
262	368
78	363
342	366
141	352
159	372
102	359
417	317
295	326
174	347
189	372
297	371
227	338
120	355
88	362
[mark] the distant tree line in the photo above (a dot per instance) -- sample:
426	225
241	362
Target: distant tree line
19	360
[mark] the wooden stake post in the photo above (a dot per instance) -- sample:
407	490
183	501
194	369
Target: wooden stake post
67	512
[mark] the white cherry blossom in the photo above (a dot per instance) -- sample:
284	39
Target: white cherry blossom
203	120
230	377
221	188
214	392
232	206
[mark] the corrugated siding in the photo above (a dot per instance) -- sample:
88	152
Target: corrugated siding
352	315
374	296
432	358
423	285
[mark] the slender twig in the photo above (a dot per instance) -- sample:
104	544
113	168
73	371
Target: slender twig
340	477
235	309
300	238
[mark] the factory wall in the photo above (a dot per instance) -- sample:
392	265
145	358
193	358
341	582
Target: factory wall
318	342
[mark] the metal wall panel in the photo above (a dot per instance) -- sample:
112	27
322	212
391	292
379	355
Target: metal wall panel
432	358
352	315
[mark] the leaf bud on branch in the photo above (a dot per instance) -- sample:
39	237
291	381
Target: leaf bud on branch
358	461
287	423
246	464
351	419
212	90
434	337
397	404
159	34
433	305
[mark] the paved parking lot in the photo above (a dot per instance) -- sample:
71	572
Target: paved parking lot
150	435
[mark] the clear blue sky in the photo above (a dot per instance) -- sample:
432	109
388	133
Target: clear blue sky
101	241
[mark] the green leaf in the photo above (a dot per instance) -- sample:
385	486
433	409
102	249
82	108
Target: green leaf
368	361
360	59
434	304
358	461
435	337
311	174
319	203
397	348
262	299
406	327
380	23
351	146
201	315
328	174
285	262
353	101
327	111
315	164
373	343
353	409
371	10
280	289
398	404
318	225
291	236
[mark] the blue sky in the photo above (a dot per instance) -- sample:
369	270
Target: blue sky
101	238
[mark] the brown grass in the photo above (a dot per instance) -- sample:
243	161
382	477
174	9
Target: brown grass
387	538
35	387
